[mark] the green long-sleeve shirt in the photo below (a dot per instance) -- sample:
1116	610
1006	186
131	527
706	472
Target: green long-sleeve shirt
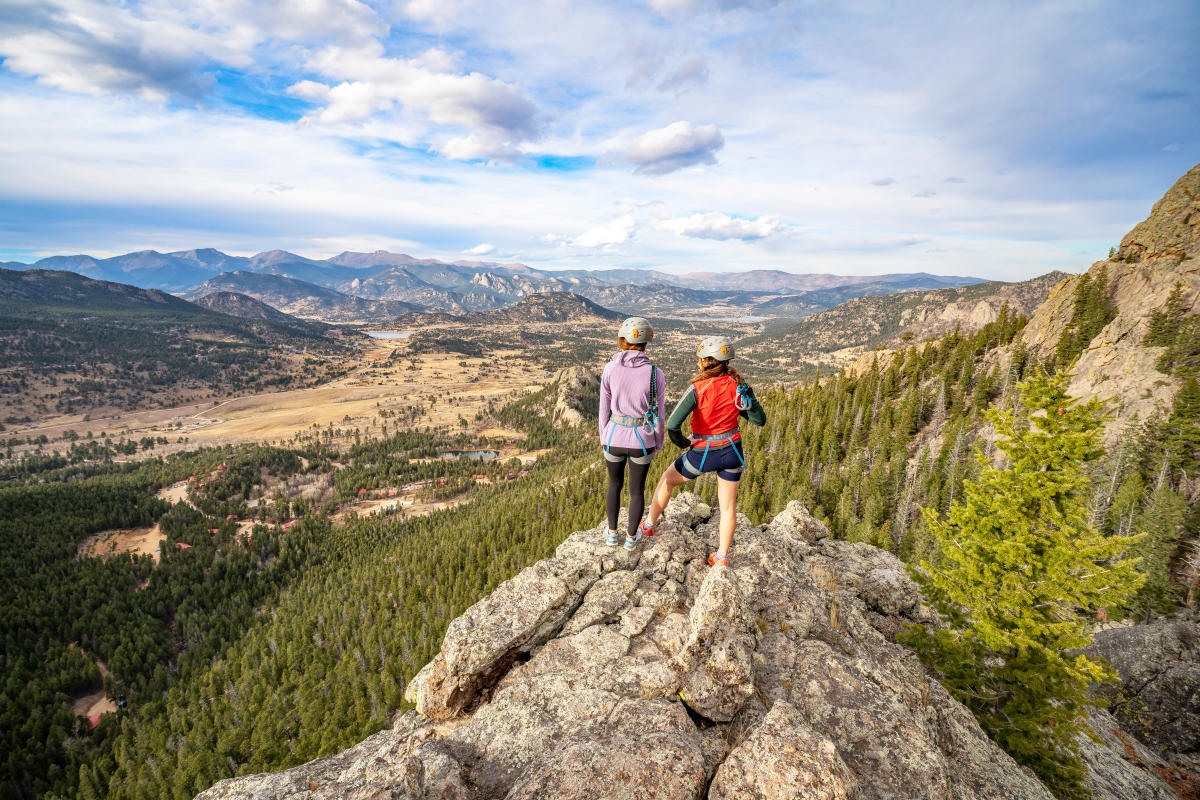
687	404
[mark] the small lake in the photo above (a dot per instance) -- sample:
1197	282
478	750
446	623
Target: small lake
389	334
474	455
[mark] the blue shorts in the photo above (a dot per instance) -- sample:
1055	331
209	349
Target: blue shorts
727	462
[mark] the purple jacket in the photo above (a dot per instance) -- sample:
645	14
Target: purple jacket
624	390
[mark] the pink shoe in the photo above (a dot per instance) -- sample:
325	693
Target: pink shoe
715	560
647	530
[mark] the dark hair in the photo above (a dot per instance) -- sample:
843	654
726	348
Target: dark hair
711	368
625	345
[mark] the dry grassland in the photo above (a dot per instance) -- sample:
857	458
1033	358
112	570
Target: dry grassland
433	389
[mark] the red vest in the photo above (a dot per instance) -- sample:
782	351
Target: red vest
716	406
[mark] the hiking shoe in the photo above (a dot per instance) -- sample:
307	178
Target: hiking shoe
646	530
631	541
611	539
715	560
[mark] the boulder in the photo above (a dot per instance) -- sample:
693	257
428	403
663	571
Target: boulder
716	665
795	520
602	673
783	759
1139	774
1158	699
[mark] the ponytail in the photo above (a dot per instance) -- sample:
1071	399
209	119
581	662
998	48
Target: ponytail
711	368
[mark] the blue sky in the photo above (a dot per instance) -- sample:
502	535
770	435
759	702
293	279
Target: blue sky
993	139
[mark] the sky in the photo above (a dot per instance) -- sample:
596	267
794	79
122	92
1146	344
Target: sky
993	139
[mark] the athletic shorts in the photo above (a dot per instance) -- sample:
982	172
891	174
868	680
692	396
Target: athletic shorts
727	462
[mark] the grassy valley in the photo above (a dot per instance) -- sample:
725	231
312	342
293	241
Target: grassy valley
73	345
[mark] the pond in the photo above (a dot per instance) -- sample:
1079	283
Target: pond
389	334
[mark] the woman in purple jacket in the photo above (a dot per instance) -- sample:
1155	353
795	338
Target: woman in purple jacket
631	425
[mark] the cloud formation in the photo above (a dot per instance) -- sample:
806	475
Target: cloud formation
88	48
614	232
171	124
495	116
675	147
480	249
713	225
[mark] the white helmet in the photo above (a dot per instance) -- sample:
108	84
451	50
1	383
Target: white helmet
718	347
636	330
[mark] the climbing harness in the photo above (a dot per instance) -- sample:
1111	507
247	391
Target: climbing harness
648	419
718	441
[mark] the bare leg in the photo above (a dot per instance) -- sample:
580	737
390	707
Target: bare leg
662	493
727	492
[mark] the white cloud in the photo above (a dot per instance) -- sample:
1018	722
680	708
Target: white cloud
674	147
95	49
347	20
713	225
480	249
478	146
610	234
883	181
309	90
156	50
496	115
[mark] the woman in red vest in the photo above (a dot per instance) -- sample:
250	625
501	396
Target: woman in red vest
715	400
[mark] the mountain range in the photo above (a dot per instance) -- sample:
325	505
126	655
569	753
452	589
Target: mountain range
462	286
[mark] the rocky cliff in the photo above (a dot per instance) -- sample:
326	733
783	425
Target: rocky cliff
600	673
860	325
577	395
1158	253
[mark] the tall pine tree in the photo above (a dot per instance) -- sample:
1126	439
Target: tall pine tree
1021	568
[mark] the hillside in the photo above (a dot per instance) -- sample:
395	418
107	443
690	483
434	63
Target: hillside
72	344
1159	254
815	300
667	299
298	298
548	307
242	305
864	323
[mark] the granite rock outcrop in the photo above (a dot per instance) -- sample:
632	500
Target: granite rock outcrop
1159	253
1158	698
600	673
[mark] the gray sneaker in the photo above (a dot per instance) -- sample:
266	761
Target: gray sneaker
632	541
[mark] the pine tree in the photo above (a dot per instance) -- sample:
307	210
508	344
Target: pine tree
1161	522
1020	566
1183	427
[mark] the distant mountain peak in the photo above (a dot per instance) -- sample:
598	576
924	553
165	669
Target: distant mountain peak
236	304
554	307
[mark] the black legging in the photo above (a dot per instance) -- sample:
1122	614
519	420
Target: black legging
637	487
